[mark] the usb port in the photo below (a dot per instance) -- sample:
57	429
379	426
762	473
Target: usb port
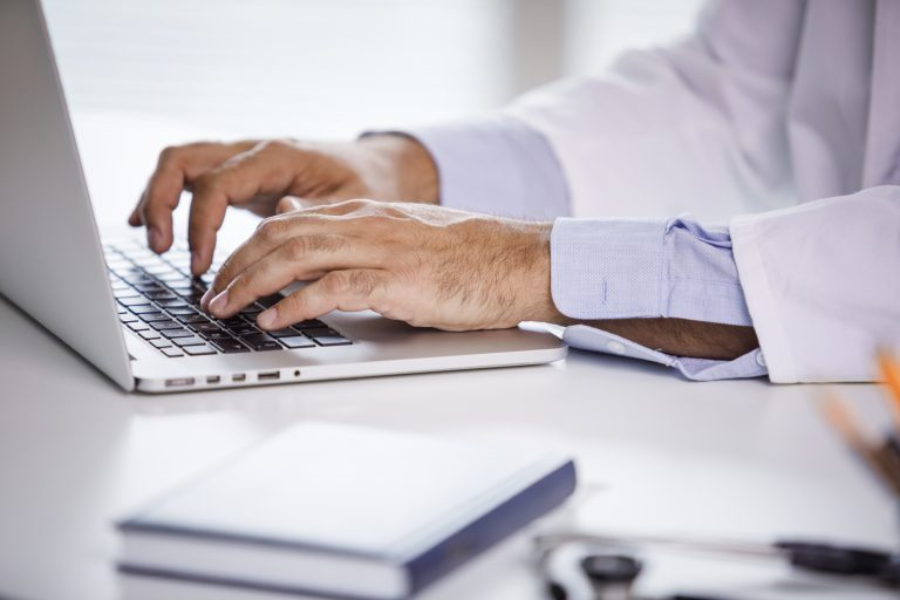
239	377
213	379
269	376
182	382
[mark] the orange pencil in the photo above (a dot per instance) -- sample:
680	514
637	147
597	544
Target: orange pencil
853	435
890	372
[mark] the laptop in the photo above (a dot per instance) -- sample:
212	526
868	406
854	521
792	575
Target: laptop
133	314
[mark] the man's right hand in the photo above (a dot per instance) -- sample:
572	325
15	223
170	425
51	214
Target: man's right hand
256	175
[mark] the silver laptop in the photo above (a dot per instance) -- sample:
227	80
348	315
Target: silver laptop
134	314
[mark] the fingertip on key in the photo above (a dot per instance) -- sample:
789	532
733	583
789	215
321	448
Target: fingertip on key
154	238
267	318
197	266
205	299
218	304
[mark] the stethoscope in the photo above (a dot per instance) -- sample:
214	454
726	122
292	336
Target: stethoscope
594	566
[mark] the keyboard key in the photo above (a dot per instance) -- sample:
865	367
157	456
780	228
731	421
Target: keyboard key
193	319
244	330
148	286
128	318
188	341
128	292
176	333
181	289
140	309
161	343
173	277
172	352
180	312
230	346
327	337
266	346
280	333
172	303
149	335
133	301
137	326
204	328
218	335
297	341
161	295
199	350
193	297
167	324
270	301
260	341
251	310
233	322
154	316
311	324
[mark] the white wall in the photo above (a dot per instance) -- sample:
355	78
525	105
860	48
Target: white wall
326	68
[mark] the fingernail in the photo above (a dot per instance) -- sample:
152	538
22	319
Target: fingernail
154	236
219	303
205	298
267	318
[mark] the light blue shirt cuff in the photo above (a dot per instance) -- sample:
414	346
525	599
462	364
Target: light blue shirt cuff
620	269
652	268
496	165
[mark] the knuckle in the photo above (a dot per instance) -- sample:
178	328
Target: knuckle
274	146
362	283
169	154
357	204
336	284
297	248
224	275
324	243
271	230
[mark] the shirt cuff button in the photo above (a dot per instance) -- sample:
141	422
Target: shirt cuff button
615	347
760	359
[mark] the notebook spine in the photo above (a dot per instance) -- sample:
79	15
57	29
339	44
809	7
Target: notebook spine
492	528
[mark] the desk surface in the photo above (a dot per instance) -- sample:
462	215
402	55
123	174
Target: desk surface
655	453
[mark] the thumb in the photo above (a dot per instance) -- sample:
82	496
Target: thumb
289	204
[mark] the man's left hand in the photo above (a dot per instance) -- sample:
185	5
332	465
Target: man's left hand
426	265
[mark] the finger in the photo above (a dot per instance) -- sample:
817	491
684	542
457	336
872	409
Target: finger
290	204
269	235
176	166
301	258
248	175
348	290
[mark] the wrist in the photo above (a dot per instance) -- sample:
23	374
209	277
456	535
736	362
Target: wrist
404	167
534	292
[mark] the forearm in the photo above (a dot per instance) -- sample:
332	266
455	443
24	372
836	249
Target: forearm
682	337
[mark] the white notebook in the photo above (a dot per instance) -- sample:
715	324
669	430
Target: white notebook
343	511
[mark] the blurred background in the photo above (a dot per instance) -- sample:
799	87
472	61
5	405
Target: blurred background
331	68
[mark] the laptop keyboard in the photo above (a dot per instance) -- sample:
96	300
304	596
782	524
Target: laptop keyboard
159	301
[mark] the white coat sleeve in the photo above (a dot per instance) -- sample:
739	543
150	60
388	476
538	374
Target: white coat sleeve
696	127
822	283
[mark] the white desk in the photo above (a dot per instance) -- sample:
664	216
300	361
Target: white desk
730	458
